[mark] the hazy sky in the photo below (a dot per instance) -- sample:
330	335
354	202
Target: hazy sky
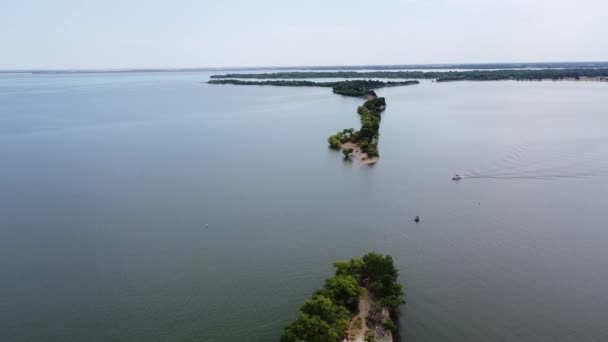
189	33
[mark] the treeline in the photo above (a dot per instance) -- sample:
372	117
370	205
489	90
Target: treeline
469	66
326	74
359	88
471	75
326	315
367	137
355	88
519	75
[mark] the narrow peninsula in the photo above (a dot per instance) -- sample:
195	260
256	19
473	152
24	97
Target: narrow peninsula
358	304
361	145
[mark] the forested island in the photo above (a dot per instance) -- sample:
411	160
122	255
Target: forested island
442	76
362	144
359	303
357	88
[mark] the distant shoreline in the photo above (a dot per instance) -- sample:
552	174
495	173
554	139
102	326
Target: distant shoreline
565	79
439	76
463	66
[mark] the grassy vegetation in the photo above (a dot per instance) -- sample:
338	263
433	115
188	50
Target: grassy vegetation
358	325
469	75
325	317
347	152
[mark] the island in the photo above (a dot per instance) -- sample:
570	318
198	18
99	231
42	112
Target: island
362	144
359	303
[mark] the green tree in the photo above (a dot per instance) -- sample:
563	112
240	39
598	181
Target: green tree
325	308
379	266
353	267
345	290
382	275
335	140
313	329
320	320
348	132
347	152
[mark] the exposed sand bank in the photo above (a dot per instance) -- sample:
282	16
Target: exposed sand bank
358	154
585	78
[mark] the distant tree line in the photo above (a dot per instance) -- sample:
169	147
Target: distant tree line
469	66
469	75
326	315
355	88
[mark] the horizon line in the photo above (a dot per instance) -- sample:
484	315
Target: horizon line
472	65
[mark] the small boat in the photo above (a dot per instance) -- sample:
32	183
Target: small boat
417	219
457	177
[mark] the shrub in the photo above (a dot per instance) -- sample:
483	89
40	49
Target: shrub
347	152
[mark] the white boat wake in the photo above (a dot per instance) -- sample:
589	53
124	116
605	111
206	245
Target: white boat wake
544	161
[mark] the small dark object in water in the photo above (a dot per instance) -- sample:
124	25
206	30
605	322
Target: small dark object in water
417	219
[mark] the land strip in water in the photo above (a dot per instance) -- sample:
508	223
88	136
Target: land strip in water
595	74
362	144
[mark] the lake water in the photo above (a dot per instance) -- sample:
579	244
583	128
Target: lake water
153	207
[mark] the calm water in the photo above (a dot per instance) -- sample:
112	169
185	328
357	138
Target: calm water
151	207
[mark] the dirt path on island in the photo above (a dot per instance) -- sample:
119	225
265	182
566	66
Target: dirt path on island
356	331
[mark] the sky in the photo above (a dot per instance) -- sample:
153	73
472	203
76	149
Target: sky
70	34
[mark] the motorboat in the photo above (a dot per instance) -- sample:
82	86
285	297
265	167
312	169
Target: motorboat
457	177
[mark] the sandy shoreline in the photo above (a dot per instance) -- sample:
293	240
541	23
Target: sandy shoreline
585	79
358	154
567	79
570	79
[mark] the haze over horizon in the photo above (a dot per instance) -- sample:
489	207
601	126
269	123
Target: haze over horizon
206	34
